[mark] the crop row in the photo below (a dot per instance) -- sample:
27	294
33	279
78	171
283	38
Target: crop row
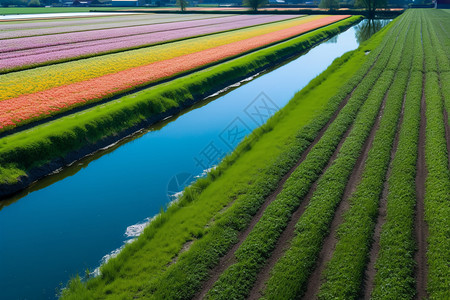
192	267
43	50
236	281
104	34
290	274
344	273
437	187
27	108
395	262
21	29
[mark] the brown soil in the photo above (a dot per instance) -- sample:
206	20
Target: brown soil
420	227
447	135
370	272
229	258
183	249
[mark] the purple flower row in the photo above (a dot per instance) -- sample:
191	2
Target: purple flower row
103	34
34	24
52	53
52	29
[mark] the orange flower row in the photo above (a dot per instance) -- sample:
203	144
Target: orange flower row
38	105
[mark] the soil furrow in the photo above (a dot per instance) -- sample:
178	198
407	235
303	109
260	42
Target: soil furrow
370	272
420	227
329	244
447	135
229	258
283	242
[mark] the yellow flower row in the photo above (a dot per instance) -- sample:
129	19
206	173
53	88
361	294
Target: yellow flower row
44	78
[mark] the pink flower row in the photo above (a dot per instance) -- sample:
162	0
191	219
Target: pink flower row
103	34
55	29
59	52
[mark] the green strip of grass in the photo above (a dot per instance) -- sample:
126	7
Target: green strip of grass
21	152
141	268
290	275
344	273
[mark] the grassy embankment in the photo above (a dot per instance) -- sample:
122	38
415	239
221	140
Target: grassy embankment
22	152
241	183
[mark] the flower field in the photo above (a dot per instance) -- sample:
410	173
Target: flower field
59	87
39	49
25	28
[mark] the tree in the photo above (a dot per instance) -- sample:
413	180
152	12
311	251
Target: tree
254	4
330	4
371	5
34	3
182	4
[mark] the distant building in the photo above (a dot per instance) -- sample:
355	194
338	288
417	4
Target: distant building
81	3
125	3
442	4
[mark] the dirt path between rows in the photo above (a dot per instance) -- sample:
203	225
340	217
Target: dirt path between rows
370	272
447	135
284	241
420	227
229	258
329	244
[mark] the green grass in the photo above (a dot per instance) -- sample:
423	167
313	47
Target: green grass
32	148
48	10
141	269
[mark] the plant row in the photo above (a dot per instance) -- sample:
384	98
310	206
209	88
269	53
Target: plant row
344	273
19	29
183	278
395	263
237	280
26	150
437	186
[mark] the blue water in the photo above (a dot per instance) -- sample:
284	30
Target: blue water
66	223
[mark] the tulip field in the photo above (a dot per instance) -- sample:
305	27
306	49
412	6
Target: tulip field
188	45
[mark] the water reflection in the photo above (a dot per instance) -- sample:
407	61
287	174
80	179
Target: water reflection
368	27
333	40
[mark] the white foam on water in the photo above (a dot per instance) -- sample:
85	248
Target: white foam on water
135	230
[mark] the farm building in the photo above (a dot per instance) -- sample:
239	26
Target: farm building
125	3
